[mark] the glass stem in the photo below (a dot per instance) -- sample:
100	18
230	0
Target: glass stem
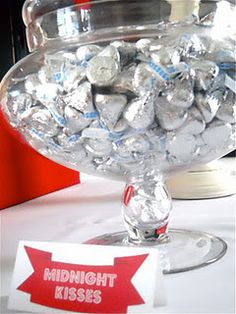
146	208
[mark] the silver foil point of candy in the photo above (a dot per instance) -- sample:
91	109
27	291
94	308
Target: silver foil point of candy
169	117
181	93
143	45
121	126
81	98
112	52
139	113
144	80
110	108
87	52
124	81
74	120
166	56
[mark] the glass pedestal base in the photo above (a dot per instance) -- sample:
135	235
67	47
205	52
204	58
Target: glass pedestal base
181	250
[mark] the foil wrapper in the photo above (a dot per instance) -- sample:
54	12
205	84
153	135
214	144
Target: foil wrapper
156	45
205	73
124	81
70	143
194	124
95	131
144	80
75	121
227	109
81	98
139	113
181	147
208	104
17	106
181	93
47	93
191	46
87	52
73	77
79	110
164	55
127	51
143	45
217	134
121	126
157	139
133	147
169	117
99	147
109	166
41	121
102	71
110	108
112	52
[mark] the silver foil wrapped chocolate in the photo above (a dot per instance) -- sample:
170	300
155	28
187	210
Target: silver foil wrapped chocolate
127	51
217	134
79	110
124	82
143	45
133	147
169	55
169	117
102	71
40	120
144	80
112	52
208	104
181	93
194	124
191	46
18	105
139	113
121	126
87	52
205	73
181	147
227	109
110	108
99	147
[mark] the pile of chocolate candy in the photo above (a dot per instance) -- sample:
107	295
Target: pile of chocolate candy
160	102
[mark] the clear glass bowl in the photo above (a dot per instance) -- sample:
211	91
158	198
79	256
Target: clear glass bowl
134	91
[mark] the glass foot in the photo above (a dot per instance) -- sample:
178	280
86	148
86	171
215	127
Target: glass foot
181	250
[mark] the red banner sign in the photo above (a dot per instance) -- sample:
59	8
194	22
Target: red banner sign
83	288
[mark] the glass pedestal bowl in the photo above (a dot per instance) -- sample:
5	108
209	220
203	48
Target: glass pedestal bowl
134	91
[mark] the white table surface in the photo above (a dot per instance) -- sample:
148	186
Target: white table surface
92	208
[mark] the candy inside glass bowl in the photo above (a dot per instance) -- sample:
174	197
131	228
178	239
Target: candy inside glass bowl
134	91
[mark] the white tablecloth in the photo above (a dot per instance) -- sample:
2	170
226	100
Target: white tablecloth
81	212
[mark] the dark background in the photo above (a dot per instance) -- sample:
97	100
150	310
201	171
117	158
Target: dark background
12	34
13	45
